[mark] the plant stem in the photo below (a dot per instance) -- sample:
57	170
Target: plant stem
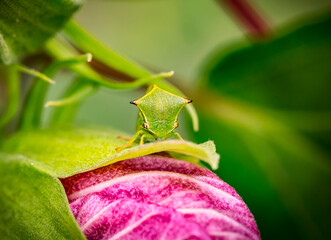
33	106
83	40
60	50
64	115
77	96
12	79
249	17
34	73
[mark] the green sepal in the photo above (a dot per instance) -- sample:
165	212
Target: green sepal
65	152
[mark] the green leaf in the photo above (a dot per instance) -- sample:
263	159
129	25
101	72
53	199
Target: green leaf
271	105
63	153
33	204
284	74
25	25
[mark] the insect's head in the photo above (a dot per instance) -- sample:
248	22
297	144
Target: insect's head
159	110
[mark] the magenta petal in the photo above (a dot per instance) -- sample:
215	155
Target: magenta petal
154	197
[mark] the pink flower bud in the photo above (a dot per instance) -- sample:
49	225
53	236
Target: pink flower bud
154	197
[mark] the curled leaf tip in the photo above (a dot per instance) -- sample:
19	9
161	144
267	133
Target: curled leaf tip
89	57
49	103
49	80
35	73
6	55
42	76
167	74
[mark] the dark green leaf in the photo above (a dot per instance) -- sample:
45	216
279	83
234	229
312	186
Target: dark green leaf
25	25
291	72
33	205
271	105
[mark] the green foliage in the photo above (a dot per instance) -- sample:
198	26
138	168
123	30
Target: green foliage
110	58
270	103
24	27
34	103
266	104
65	152
286	73
84	41
33	205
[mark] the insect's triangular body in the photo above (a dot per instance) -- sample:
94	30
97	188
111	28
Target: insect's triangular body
159	110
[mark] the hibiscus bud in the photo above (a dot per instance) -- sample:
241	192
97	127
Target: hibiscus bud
155	197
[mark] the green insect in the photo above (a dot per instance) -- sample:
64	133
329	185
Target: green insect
158	115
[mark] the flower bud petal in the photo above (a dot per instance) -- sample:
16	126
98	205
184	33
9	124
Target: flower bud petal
154	197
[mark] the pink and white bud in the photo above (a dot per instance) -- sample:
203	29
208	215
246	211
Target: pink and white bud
155	197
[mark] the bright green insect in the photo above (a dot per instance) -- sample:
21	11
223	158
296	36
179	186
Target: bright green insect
158	115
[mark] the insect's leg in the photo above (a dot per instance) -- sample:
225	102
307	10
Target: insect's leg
177	135
130	141
122	137
142	139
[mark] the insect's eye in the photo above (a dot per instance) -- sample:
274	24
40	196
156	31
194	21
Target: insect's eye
176	125
145	125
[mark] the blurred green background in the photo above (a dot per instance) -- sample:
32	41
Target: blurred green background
266	103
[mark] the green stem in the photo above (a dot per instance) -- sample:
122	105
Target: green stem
77	96
83	40
78	92
64	115
60	51
34	73
12	79
33	107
